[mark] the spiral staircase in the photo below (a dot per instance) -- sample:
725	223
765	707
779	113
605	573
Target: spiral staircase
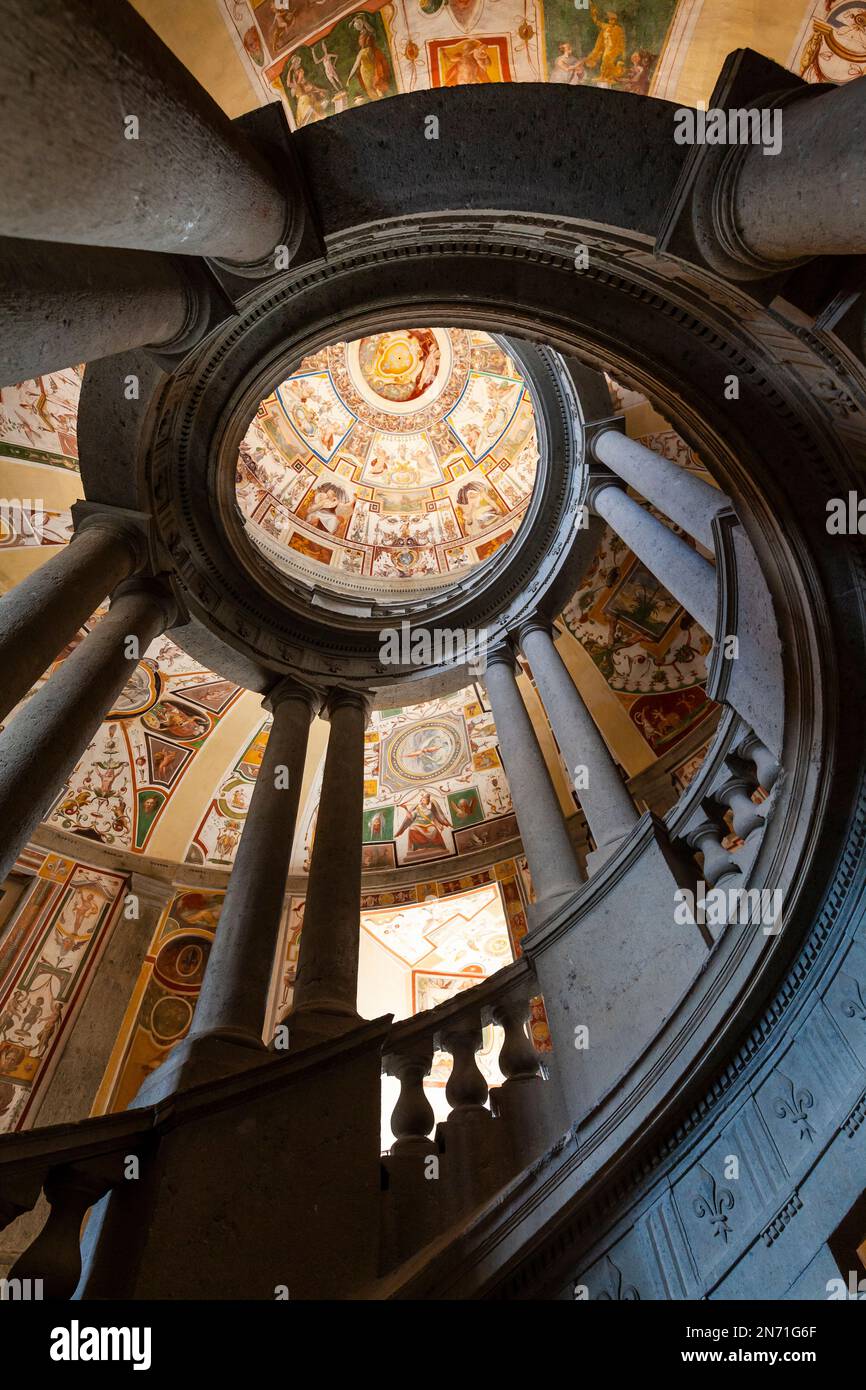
602	1167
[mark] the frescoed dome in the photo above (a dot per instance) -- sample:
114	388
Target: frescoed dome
404	454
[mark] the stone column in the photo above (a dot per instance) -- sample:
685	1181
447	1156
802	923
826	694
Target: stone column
605	800
65	304
41	746
234	994
686	574
326	988
809	199
44	612
129	145
676	492
554	869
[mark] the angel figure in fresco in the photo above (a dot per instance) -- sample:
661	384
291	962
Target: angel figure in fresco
609	47
371	65
425	825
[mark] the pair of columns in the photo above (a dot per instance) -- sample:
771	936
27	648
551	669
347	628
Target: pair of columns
142	161
145	162
41	746
686	499
610	812
234	995
605	801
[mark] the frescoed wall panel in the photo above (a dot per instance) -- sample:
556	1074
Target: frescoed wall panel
322	61
49	953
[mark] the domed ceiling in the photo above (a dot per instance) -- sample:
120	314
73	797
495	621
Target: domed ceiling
399	456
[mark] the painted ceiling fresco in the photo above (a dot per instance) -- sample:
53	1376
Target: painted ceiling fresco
401	454
434	784
832	45
320	57
141	753
39	420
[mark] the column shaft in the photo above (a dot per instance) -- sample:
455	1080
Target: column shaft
132	149
605	800
810	198
46	609
234	994
65	304
327	978
41	746
686	574
554	869
687	500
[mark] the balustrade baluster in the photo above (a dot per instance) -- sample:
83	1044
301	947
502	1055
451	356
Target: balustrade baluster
412	1118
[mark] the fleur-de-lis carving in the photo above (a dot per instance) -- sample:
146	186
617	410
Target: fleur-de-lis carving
795	1106
616	1292
715	1202
856	1006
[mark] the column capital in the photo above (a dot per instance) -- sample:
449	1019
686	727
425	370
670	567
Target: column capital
502	654
596	428
157	590
599	479
537	622
124	525
340	695
292	689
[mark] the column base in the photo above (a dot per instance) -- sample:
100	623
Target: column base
599	857
549	905
316	1023
197	1060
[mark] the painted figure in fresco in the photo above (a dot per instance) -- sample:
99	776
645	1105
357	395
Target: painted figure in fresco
330	508
165	762
12	1011
327	61
609	47
311	101
281	17
466	806
568	68
470	66
11	1056
477	507
640	72
172	720
227	839
371	65
49	1027
33	1015
424	825
106	776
